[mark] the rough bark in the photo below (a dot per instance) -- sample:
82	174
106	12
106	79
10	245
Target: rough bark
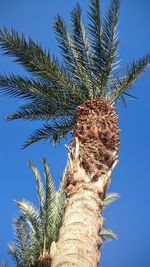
79	240
91	159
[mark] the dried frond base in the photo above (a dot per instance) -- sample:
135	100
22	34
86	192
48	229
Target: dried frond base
43	261
91	159
95	140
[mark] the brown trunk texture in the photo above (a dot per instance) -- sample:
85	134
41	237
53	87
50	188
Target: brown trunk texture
91	159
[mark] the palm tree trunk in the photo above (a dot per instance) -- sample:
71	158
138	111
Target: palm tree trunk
79	240
92	157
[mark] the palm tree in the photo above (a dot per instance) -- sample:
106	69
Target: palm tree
36	229
77	96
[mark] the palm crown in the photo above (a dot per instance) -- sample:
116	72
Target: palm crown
90	69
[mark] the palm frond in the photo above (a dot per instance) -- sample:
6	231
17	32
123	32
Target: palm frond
12	251
31	55
95	29
80	48
49	203
63	181
32	216
35	90
39	185
57	209
110	197
26	52
22	241
37	111
64	44
50	190
20	250
47	102
67	51
131	73
109	41
108	234
54	132
57	213
17	86
35	231
26	249
54	206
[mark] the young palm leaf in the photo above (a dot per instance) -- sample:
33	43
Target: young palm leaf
36	229
95	30
80	48
107	234
39	185
65	45
109	41
131	74
109	198
49	203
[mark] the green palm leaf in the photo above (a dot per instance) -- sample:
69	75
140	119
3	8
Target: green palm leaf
95	29
47	102
54	132
131	74
38	111
22	241
64	43
12	251
109	41
32	216
57	213
108	234
31	55
39	185
35	230
29	88
67	51
49	203
28	53
81	49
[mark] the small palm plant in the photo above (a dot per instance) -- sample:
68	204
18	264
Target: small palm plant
36	229
77	96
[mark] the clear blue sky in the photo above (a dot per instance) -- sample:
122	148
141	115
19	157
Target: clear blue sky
130	216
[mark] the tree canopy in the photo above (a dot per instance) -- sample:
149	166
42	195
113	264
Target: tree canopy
90	68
